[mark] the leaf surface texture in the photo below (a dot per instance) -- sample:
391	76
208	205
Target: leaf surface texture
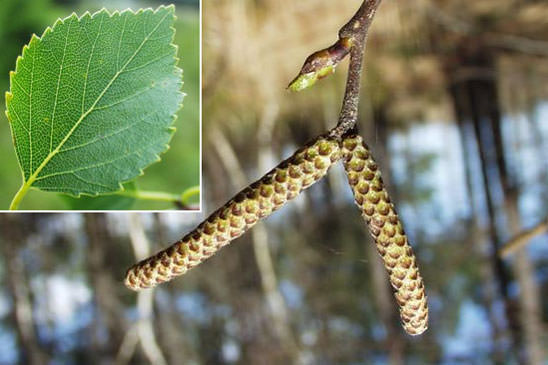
92	101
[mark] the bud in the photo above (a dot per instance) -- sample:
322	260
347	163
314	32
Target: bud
387	231
320	64
257	201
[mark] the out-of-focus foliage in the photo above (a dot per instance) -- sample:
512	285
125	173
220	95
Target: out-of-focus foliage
18	20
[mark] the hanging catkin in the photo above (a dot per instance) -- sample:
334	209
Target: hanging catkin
259	200
387	231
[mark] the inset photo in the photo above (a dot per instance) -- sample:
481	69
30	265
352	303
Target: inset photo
102	105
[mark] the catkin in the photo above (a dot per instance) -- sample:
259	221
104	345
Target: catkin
387	231
257	201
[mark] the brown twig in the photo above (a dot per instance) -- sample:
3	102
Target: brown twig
356	30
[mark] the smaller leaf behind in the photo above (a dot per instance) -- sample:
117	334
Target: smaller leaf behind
103	202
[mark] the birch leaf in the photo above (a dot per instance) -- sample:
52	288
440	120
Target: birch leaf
92	101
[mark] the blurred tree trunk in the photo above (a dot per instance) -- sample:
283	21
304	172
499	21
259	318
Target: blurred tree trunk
476	99
384	299
263	258
108	306
14	228
526	324
530	313
145	298
473	87
386	306
174	328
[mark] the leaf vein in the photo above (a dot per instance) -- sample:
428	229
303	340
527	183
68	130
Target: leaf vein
30	113
120	43
99	164
95	140
89	181
34	176
148	63
89	62
139	92
57	89
20	87
19	120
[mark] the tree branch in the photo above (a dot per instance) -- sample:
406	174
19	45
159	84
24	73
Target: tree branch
356	30
522	239
352	39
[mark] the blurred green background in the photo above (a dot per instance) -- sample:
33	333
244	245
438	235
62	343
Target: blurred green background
179	168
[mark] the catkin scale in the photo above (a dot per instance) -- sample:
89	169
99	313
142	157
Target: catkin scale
257	201
386	229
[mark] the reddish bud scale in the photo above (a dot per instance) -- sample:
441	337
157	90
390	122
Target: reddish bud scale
387	231
257	201
330	56
320	64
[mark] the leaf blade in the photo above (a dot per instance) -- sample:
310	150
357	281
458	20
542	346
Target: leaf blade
113	106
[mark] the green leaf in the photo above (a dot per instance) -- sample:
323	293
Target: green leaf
92	101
